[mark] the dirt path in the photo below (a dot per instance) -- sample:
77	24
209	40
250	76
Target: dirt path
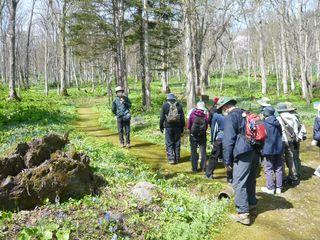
293	215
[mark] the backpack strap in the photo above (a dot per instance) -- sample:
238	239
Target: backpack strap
290	128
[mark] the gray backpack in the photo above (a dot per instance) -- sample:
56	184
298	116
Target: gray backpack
173	115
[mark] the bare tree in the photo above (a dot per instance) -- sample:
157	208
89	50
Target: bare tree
12	6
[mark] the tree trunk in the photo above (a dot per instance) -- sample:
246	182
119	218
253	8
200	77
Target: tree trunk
303	75
12	4
28	47
283	59
63	51
189	55
146	53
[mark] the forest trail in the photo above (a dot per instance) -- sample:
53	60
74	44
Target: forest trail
293	215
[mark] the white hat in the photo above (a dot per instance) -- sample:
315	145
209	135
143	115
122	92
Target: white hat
119	88
264	102
201	106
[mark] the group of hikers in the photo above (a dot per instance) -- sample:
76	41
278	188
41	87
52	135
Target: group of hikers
240	138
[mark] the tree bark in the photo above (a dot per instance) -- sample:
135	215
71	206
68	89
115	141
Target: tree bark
189	55
28	47
12	4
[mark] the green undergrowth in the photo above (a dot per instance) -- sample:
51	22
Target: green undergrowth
181	208
36	114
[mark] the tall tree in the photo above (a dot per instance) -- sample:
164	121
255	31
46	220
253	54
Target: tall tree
12	6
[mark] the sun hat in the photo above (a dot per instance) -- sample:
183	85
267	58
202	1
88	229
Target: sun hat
224	100
284	107
264	102
119	88
171	96
201	106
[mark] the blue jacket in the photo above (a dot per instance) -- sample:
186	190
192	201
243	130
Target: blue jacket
121	109
234	140
217	132
316	129
273	144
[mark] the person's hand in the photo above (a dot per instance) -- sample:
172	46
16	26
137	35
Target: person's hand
161	129
314	143
229	168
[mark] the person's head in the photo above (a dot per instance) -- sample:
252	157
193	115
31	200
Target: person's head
119	91
171	97
268	111
225	104
201	106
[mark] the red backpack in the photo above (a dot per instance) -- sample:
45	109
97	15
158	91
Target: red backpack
255	131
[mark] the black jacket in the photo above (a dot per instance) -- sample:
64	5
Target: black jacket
165	111
118	108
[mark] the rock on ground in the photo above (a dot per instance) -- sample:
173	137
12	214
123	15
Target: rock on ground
143	191
39	170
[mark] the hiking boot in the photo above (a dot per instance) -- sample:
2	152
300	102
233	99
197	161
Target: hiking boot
278	190
122	145
128	145
171	162
210	177
243	218
266	190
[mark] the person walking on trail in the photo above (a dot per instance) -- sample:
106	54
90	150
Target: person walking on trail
290	132
198	125
172	121
121	109
272	152
244	156
316	137
217	126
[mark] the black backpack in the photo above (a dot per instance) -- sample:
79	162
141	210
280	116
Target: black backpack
199	127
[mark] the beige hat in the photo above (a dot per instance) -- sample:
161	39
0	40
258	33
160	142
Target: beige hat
119	88
264	102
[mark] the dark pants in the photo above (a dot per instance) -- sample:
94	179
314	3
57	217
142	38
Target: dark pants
126	126
273	166
196	143
215	155
244	180
173	143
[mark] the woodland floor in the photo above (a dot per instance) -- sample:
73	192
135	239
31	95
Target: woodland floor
295	214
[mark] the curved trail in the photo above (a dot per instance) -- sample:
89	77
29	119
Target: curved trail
293	215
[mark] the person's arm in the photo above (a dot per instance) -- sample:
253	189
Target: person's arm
316	130
114	108
162	118
190	121
229	139
213	130
182	119
127	103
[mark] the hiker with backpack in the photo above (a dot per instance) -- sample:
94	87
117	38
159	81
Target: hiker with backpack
172	121
239	148
217	126
290	132
198	125
121	109
213	109
272	152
